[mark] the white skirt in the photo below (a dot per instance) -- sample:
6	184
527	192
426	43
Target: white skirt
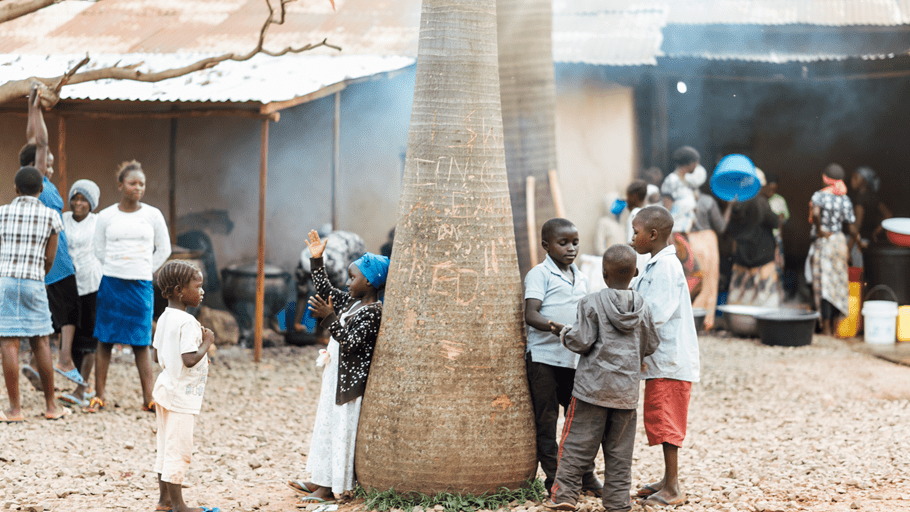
331	458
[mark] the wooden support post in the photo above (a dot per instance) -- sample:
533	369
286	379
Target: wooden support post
260	260
61	159
530	207
172	182
556	193
336	157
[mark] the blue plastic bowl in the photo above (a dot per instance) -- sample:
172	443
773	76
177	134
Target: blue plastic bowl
618	206
734	178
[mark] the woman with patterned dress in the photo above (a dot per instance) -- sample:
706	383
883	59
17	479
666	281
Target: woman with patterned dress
353	319
829	210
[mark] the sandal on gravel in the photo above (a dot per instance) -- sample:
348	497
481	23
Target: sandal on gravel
647	490
72	400
89	394
309	500
162	508
150	407
32	377
95	405
6	419
657	501
300	486
64	411
550	504
72	375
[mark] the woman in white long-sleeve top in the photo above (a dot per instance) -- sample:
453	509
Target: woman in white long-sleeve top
132	242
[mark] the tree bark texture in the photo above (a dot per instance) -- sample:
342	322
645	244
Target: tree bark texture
528	88
447	406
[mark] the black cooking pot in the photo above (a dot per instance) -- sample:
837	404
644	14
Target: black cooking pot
238	287
889	265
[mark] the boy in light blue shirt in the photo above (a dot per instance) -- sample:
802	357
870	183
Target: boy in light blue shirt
552	291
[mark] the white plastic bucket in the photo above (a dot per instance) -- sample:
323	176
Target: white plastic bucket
880	321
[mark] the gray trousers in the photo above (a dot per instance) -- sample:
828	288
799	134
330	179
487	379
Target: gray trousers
590	427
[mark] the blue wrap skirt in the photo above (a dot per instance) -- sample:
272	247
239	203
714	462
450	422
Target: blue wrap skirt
124	312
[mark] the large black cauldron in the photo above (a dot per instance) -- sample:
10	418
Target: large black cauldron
238	287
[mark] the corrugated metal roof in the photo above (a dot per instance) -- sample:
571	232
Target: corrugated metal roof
765	12
626	38
781	58
365	27
261	79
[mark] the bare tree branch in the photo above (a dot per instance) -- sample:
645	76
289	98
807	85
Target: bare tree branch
10	10
19	88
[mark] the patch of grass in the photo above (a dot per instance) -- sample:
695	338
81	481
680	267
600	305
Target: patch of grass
384	501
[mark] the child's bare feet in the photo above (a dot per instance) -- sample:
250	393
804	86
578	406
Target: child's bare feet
11	416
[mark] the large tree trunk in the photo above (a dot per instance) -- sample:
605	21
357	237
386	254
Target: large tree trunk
528	112
447	405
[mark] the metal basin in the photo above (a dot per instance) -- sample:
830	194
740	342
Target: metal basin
740	320
787	327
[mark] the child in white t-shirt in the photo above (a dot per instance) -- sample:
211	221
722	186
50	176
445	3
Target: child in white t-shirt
180	344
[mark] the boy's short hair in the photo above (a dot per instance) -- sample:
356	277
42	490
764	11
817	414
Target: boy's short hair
548	231
29	181
685	155
622	258
655	217
638	188
835	172
27	155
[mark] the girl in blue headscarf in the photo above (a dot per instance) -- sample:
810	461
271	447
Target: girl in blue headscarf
352	318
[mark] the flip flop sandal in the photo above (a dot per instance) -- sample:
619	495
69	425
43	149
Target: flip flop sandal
32	377
72	400
150	407
309	500
300	486
66	412
207	509
6	419
94	405
72	375
559	506
660	502
646	490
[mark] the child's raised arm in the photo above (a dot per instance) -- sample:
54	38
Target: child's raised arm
191	359
333	296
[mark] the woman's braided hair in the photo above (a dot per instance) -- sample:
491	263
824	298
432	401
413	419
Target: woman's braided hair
173	274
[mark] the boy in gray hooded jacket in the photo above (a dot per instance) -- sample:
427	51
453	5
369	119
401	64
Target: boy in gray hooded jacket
614	332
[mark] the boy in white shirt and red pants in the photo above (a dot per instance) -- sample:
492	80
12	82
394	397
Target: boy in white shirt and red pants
674	366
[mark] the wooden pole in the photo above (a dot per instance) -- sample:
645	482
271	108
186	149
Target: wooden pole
260	260
172	182
556	193
336	157
61	159
530	206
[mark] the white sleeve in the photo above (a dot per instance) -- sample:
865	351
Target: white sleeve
162	241
100	239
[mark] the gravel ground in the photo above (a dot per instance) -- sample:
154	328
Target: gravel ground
811	428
